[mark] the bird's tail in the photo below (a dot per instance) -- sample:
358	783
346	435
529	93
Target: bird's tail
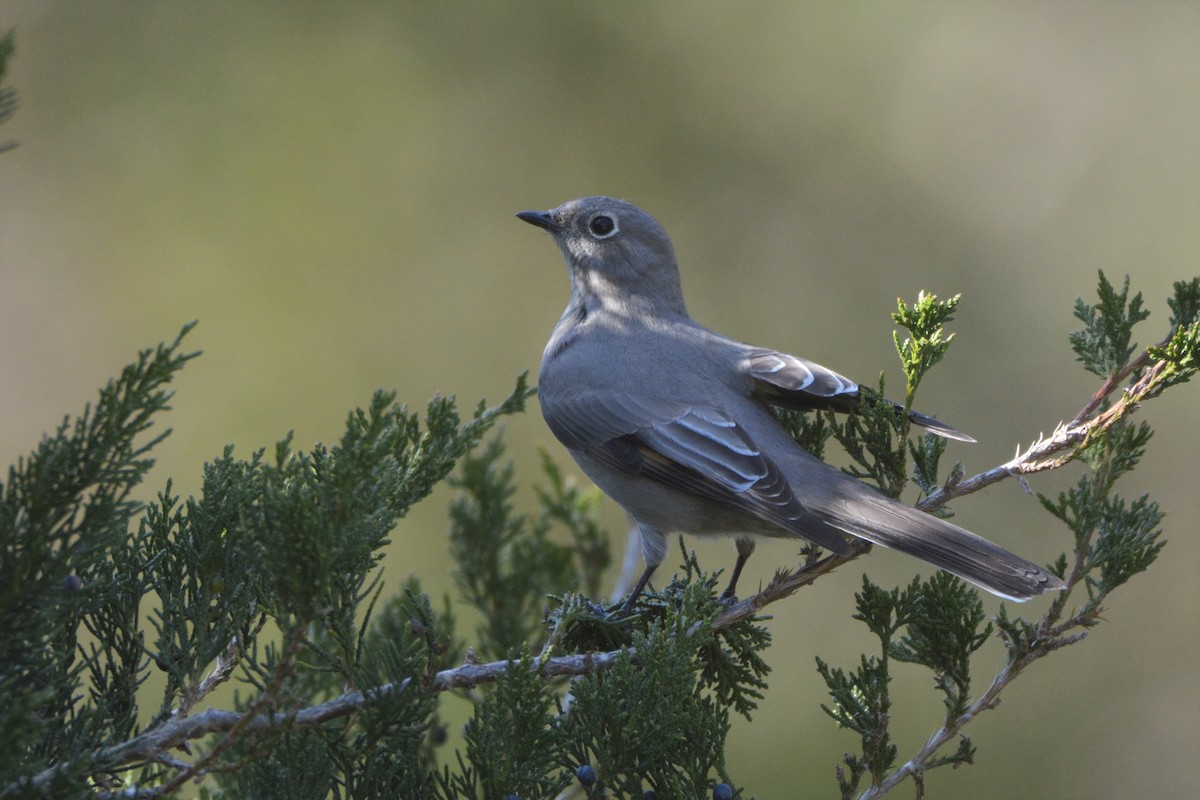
871	516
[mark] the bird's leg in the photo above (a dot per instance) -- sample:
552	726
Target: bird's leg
637	590
745	546
654	550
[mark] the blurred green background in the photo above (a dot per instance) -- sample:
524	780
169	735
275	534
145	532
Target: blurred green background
329	189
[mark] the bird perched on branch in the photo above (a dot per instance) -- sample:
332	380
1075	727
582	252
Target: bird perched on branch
672	421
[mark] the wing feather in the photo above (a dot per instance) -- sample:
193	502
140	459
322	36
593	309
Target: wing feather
695	449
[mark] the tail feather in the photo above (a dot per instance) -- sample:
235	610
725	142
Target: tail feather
937	426
974	559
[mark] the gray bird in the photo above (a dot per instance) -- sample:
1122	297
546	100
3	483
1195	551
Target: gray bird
673	422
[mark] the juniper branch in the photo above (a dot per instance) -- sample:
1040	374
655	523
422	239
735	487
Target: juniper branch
270	696
1069	438
155	743
917	765
785	583
1048	636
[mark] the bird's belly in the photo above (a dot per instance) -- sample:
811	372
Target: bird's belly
669	510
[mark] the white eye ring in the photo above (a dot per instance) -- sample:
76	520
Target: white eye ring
599	226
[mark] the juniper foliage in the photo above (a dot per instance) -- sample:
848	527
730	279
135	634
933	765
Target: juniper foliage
119	618
926	343
1105	343
508	563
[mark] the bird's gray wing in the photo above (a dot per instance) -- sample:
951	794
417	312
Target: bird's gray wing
791	382
692	448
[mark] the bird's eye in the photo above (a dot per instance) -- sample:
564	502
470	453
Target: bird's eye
602	226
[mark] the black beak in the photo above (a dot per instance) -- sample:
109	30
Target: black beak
542	219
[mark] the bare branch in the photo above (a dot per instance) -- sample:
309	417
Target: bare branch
787	582
1068	439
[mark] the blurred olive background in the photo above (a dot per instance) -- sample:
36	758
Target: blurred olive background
329	189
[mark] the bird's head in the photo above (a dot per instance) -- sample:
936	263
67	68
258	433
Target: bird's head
616	252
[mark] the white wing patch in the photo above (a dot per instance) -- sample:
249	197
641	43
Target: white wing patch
712	445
